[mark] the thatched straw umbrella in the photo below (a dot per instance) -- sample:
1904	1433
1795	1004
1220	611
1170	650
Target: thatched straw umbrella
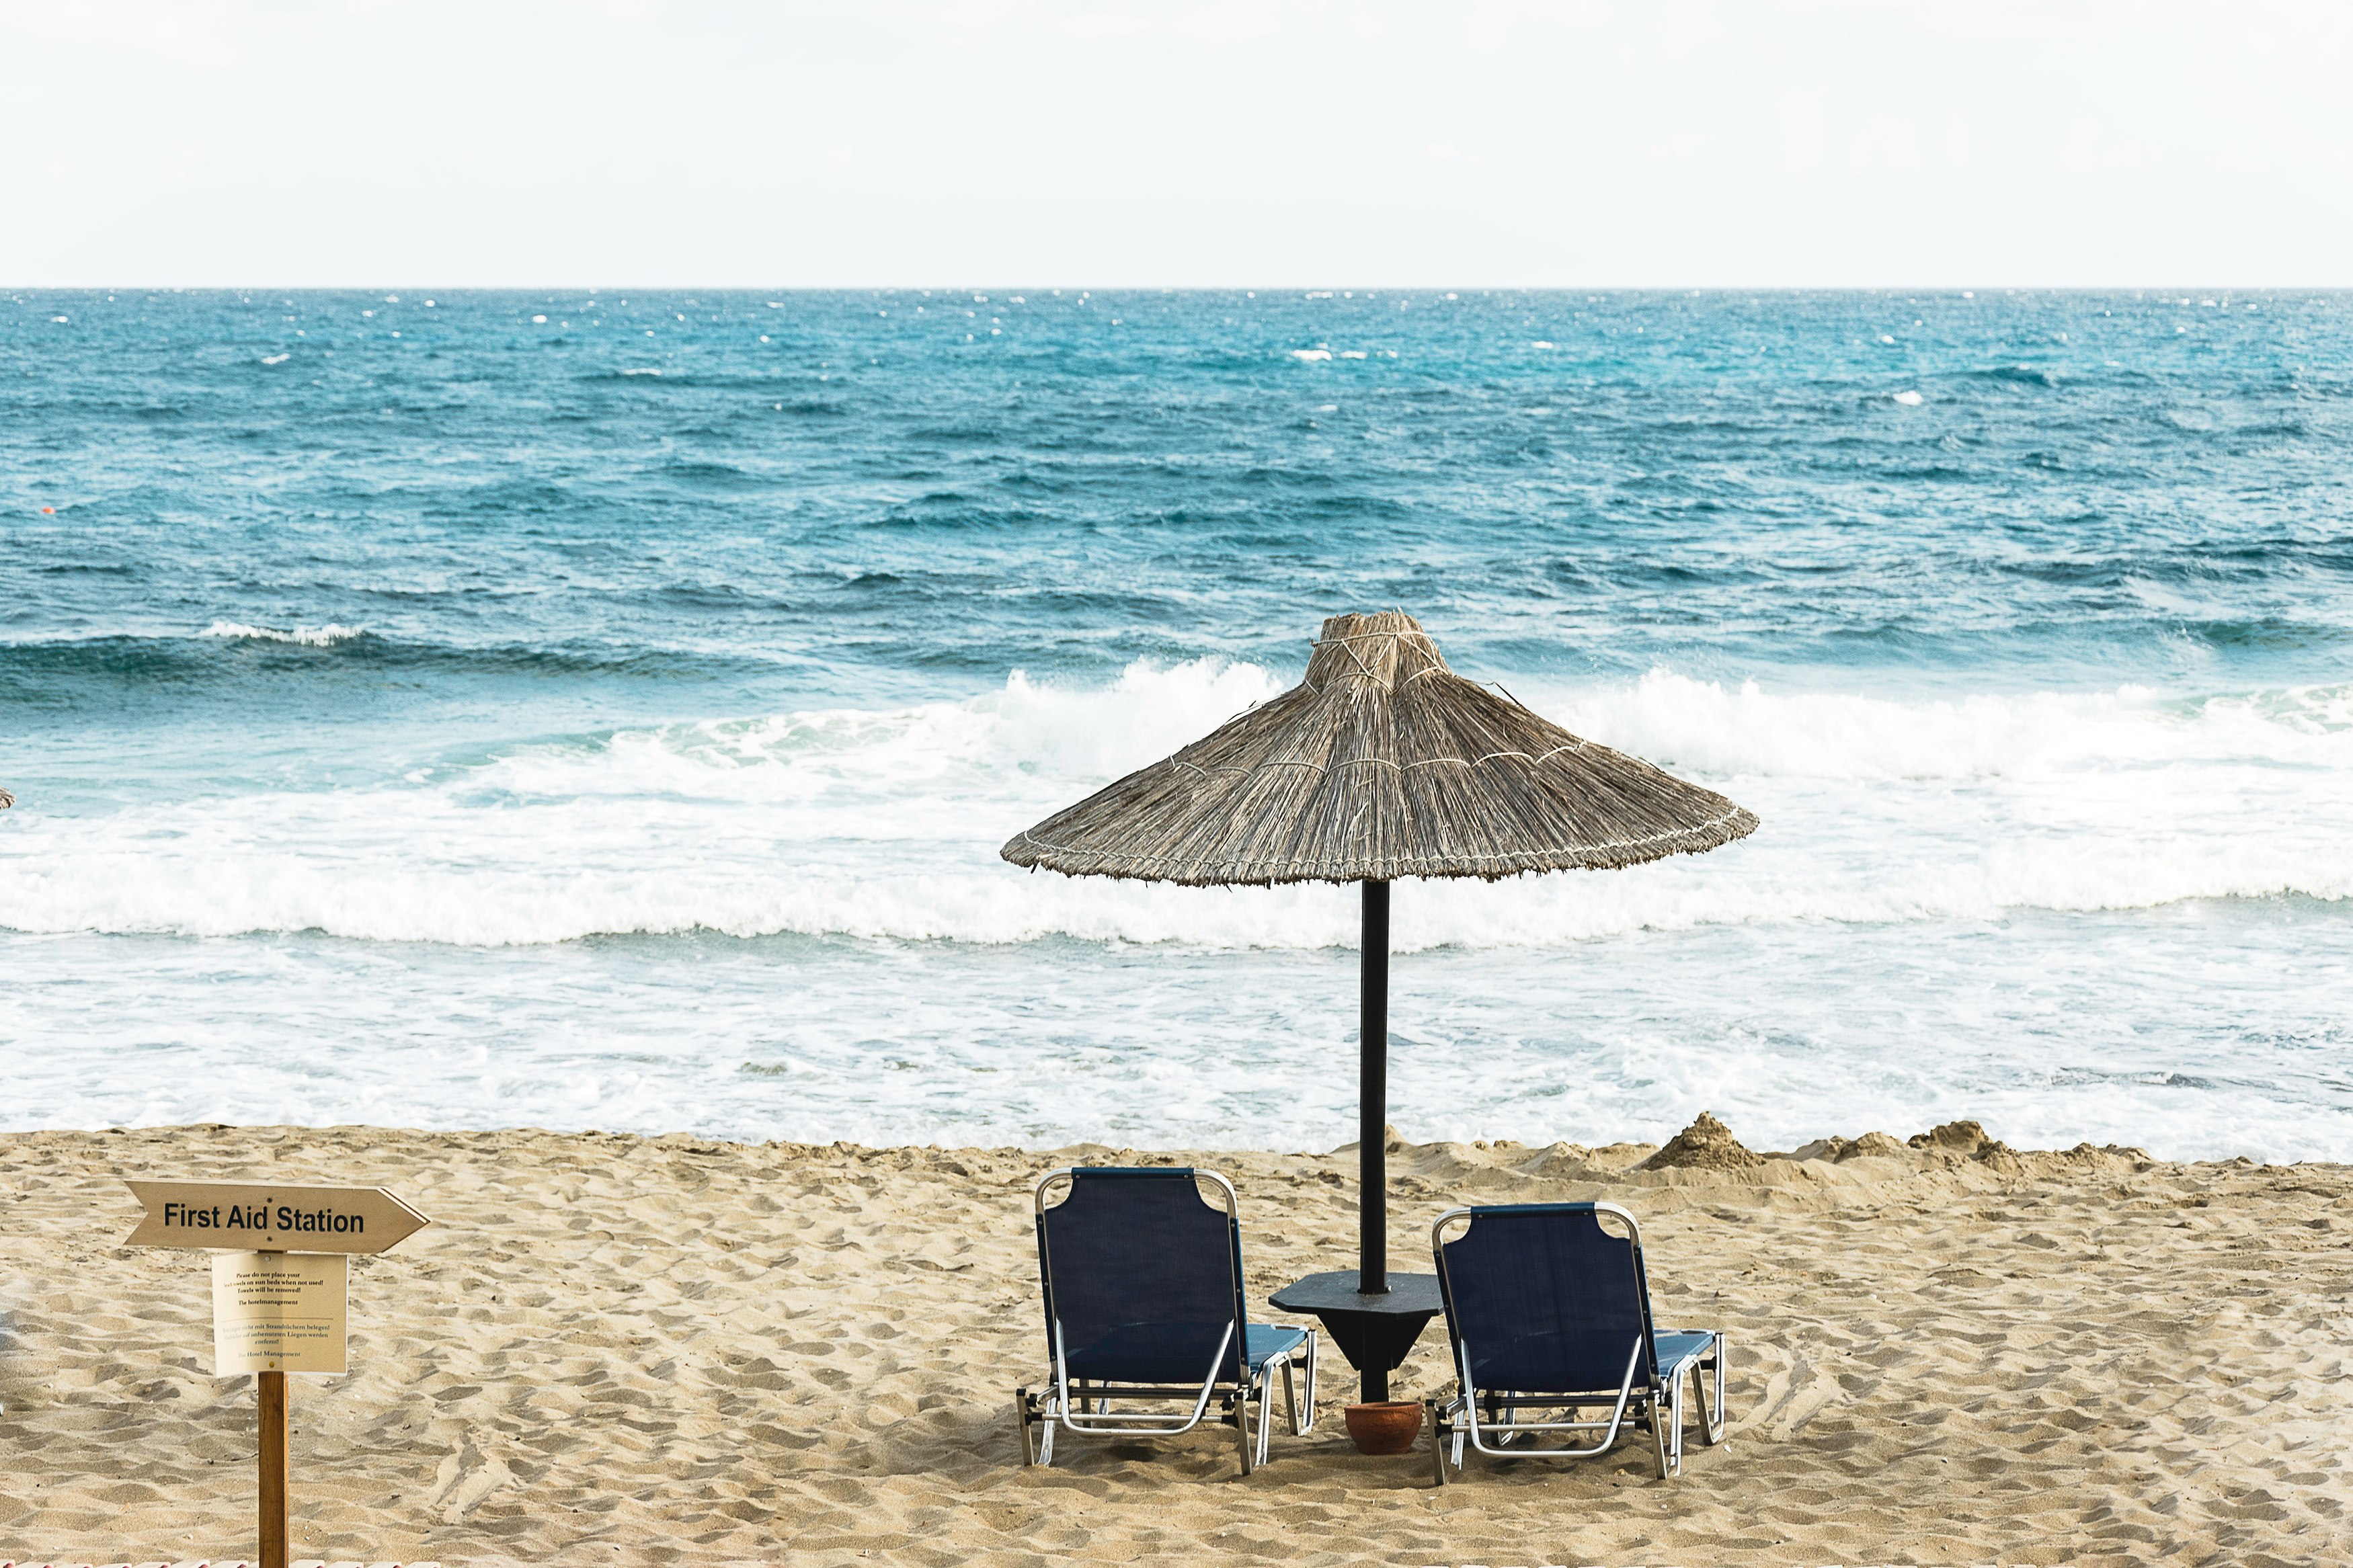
1382	763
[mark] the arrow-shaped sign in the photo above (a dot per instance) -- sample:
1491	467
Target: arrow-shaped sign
261	1216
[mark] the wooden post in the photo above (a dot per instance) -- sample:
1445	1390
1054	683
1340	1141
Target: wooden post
270	1389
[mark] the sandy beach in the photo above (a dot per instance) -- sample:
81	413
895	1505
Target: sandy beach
619	1349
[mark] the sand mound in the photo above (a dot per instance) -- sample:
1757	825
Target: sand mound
1838	1151
1706	1144
1969	1140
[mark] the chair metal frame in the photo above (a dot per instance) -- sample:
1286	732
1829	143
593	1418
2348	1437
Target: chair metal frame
1660	1399
1064	1401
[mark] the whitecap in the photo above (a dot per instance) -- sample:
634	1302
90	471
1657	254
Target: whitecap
1909	399
307	637
1310	354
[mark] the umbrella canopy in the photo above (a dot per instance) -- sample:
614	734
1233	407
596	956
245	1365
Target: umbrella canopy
1381	764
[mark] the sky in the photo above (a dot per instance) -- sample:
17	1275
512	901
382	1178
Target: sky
1581	143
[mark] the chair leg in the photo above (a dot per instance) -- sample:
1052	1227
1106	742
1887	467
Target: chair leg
1682	1414
1290	1398
1671	1447
1683	1385
1437	1439
1711	1401
1243	1425
1450	1434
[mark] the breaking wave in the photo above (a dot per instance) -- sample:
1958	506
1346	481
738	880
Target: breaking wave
307	637
883	823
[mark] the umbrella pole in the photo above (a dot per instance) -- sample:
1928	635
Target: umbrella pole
1372	1102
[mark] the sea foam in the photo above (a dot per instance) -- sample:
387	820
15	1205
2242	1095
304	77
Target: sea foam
307	637
883	823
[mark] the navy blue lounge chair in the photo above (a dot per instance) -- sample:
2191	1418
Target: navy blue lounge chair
1547	1312
1143	1280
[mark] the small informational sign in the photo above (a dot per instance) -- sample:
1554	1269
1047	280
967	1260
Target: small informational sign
278	1312
279	1257
255	1216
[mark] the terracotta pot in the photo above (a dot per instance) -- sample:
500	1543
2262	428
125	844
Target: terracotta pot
1388	1427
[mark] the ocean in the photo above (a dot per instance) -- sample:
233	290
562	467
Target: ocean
602	708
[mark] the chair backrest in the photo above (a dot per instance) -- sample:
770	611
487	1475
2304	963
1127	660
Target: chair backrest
1547	1301
1142	1275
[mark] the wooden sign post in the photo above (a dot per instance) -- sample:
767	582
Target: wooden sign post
278	1257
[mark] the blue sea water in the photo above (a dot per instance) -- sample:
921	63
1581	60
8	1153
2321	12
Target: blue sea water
602	708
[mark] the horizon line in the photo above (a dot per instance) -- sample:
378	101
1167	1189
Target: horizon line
1308	288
